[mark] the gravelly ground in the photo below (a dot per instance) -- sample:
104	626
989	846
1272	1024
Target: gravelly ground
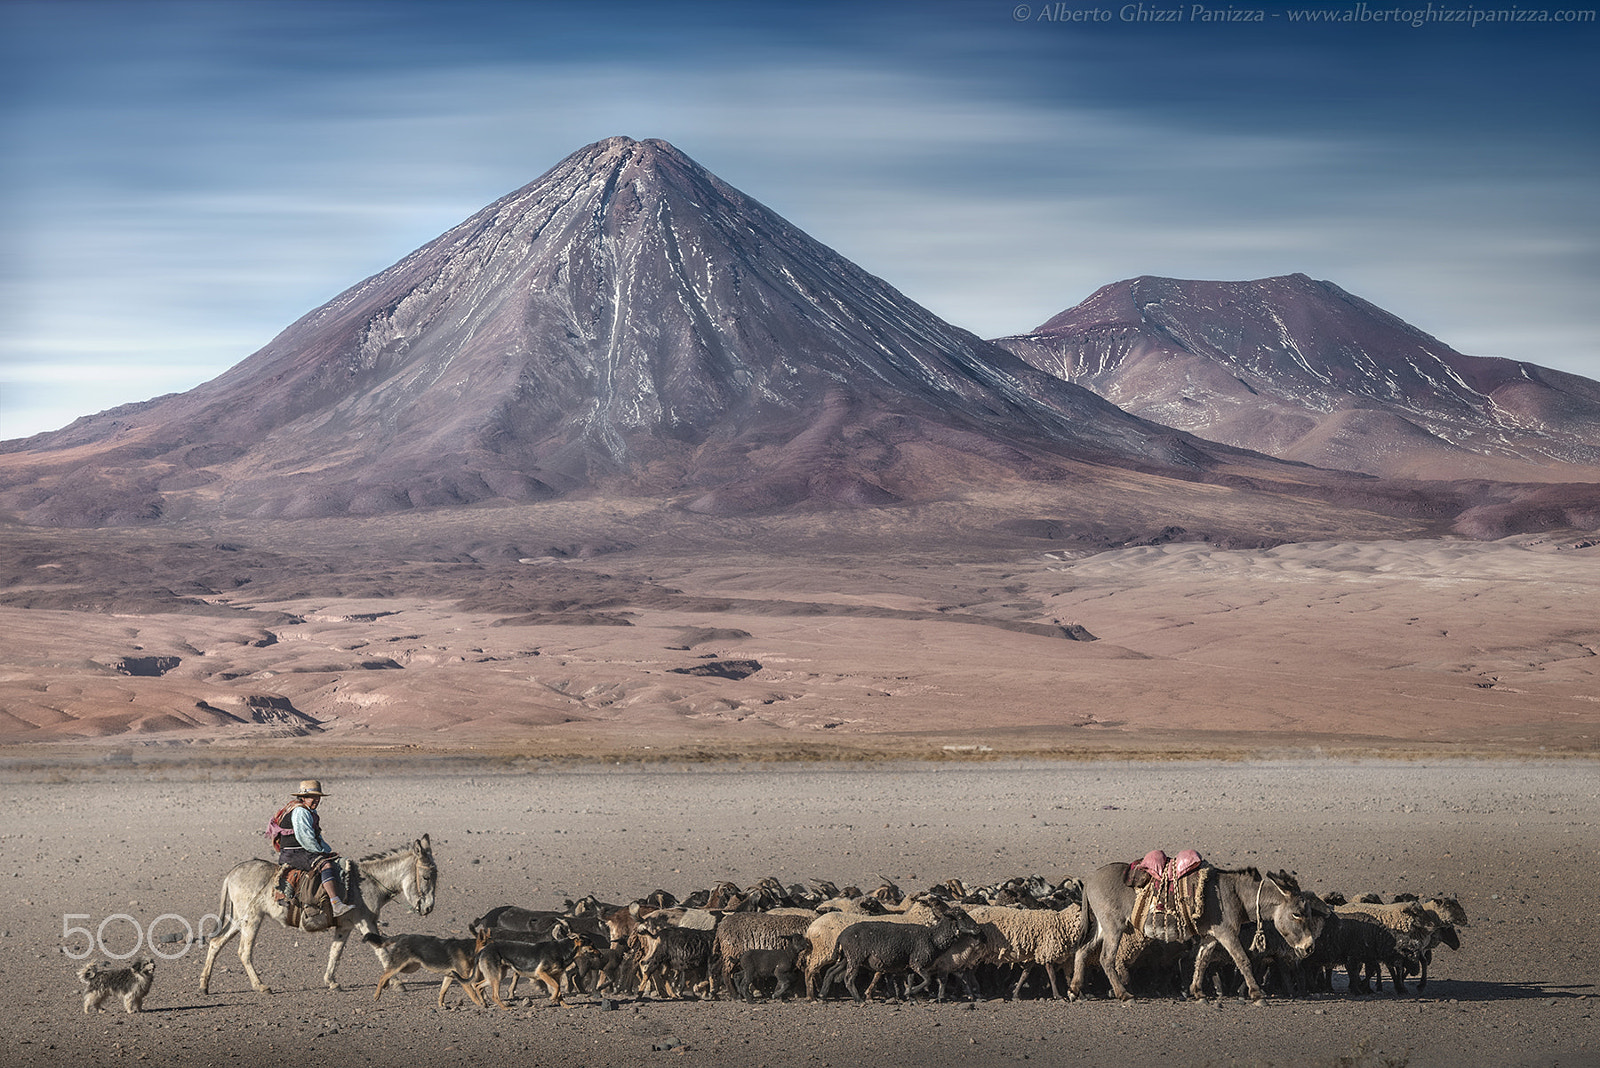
1516	841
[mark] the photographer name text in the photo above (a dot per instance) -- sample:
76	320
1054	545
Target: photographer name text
1360	13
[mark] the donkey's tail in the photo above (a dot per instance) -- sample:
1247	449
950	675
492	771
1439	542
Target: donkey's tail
224	912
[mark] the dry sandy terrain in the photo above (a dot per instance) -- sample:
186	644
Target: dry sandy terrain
485	631
1516	841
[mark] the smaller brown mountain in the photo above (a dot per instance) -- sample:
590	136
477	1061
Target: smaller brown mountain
1302	370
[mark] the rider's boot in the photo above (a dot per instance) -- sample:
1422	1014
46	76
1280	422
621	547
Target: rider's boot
335	902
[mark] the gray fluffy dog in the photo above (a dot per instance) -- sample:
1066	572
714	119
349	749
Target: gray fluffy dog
131	983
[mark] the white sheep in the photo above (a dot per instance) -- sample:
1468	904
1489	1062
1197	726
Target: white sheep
1027	937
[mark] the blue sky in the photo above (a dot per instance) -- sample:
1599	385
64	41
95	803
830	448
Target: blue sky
180	181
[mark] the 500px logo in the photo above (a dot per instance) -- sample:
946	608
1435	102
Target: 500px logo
141	935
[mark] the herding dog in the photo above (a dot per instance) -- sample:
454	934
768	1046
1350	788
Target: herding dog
131	983
546	961
454	957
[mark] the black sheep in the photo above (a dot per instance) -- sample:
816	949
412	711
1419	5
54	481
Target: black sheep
896	949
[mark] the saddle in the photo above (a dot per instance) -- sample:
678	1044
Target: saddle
1170	896
303	894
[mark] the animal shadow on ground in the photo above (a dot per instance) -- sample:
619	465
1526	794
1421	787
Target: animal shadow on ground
1473	990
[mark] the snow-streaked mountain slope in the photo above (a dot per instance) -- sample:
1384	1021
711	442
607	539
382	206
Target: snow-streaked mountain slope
625	322
1302	370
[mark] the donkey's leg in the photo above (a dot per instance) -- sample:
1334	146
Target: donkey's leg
1229	940
1110	950
218	940
1202	959
1080	969
340	934
247	946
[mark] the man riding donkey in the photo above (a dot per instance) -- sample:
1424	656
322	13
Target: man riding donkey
296	834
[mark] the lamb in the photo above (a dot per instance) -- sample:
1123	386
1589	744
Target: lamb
780	965
740	932
962	959
1029	937
895	949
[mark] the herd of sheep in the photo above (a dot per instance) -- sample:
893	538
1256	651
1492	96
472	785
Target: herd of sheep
1014	939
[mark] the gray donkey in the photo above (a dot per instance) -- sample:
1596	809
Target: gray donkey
407	872
1231	900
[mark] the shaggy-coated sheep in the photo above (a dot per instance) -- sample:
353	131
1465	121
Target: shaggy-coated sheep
1028	937
676	953
1445	914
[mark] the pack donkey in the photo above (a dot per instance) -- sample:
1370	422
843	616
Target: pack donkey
1231	899
408	873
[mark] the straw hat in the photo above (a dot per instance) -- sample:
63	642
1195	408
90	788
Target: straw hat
310	788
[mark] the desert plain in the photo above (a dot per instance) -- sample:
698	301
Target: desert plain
608	700
1514	839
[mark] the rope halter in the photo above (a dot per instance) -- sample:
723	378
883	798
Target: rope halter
1258	944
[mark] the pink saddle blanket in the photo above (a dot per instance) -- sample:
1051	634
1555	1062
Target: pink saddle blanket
1169	905
1164	873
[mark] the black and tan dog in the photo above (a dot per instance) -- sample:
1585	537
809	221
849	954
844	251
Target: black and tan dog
454	957
546	961
131	983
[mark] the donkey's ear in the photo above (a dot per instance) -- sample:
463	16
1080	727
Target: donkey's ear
1269	881
427	846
